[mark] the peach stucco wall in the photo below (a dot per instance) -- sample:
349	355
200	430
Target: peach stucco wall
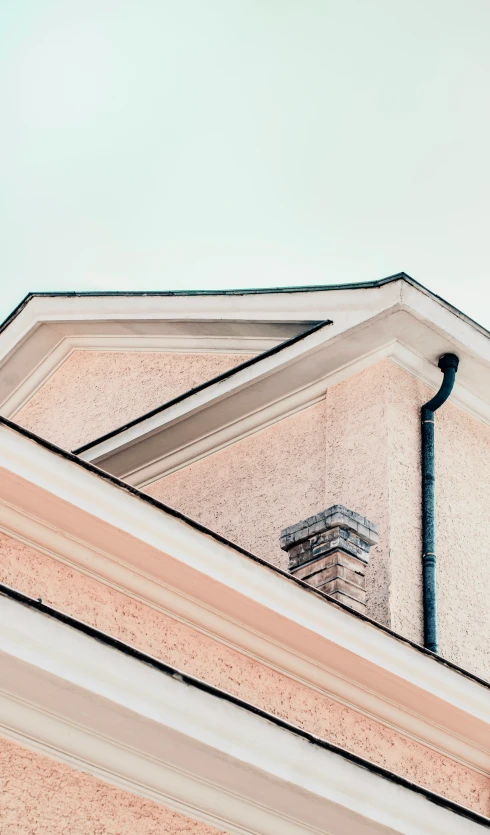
40	796
357	429
42	576
253	489
373	466
463	531
93	392
361	447
381	476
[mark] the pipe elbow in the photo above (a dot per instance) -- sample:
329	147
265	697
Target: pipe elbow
448	364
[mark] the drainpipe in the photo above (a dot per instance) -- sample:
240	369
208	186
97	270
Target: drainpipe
448	365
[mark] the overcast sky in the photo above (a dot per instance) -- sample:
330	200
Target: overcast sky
148	144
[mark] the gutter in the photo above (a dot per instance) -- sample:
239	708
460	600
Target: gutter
449	366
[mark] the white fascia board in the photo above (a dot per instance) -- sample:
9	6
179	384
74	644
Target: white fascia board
47	329
35	360
135	545
294	378
167	737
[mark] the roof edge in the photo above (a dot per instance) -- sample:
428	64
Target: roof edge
373	284
202	386
128	488
203	686
245	291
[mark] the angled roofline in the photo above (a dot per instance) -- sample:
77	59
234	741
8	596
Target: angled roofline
171	511
199	684
202	386
38	336
239	292
247	291
132	451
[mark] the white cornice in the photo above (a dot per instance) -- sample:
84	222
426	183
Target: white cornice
48	328
413	334
35	375
158	735
123	540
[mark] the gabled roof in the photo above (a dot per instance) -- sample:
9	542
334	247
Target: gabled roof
45	327
395	318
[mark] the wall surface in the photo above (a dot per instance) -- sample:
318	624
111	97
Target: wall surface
463	531
93	392
462	455
253	489
357	460
40	796
196	653
373	466
361	448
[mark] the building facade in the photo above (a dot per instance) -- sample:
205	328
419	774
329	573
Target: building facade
212	542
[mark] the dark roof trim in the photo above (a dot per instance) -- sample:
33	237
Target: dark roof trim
224	376
201	685
252	291
360	285
128	488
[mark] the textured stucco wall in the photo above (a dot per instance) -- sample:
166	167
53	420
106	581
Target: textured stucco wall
357	469
93	392
39	796
405	395
361	447
253	489
462	446
373	466
153	632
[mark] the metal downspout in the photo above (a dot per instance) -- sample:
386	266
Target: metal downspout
448	365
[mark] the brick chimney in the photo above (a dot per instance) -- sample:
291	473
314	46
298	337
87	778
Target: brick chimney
330	551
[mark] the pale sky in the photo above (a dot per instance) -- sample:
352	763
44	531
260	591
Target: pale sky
154	145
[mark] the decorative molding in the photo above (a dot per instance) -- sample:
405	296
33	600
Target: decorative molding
28	387
206	444
163	736
131	453
242	602
30	356
48	328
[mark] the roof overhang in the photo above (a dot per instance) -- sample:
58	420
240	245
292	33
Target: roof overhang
396	320
88	520
152	731
46	329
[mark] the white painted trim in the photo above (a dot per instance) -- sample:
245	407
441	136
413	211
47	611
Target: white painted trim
28	387
29	345
197	448
41	336
162	737
47	329
297	377
30	356
213	587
